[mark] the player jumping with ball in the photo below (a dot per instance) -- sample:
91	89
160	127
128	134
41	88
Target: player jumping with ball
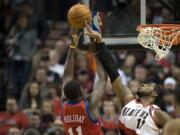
138	116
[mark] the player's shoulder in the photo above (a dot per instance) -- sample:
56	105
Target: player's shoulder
154	106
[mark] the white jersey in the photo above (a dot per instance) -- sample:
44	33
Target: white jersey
135	119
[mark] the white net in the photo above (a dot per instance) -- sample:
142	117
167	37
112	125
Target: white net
158	39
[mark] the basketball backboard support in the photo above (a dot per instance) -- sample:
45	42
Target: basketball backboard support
126	37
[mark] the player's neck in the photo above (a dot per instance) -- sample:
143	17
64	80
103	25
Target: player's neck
75	101
146	102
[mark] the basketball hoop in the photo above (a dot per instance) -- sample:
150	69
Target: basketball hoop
159	37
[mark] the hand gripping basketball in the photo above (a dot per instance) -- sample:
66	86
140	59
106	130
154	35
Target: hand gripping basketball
75	38
93	34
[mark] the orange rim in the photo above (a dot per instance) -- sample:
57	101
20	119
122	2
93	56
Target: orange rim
162	26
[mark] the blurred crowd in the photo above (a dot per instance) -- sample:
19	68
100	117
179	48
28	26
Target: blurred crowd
34	44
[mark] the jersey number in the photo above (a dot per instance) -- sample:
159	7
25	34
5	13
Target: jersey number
78	130
140	123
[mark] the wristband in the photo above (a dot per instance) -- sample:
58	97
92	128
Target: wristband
72	46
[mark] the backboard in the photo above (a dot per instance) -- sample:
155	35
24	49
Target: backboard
121	17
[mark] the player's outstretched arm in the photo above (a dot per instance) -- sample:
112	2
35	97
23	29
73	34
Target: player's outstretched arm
161	118
99	88
172	128
69	64
110	67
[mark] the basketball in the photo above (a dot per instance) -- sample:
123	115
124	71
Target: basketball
77	15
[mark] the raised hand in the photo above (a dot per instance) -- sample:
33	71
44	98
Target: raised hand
93	34
75	38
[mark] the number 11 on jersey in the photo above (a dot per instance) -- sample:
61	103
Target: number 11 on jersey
78	130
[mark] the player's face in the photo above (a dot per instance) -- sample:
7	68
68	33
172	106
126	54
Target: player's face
146	88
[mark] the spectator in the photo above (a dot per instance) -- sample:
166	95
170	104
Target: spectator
33	100
60	47
54	63
41	79
14	131
170	84
7	16
85	70
128	66
150	58
47	107
54	131
45	63
169	88
22	46
35	121
26	9
58	123
47	117
175	71
140	73
31	131
12	117
169	100
133	86
86	83
109	118
40	55
55	97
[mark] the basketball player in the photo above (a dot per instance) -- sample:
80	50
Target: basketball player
138	116
172	127
80	114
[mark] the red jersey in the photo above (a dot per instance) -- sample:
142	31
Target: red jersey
18	119
78	120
